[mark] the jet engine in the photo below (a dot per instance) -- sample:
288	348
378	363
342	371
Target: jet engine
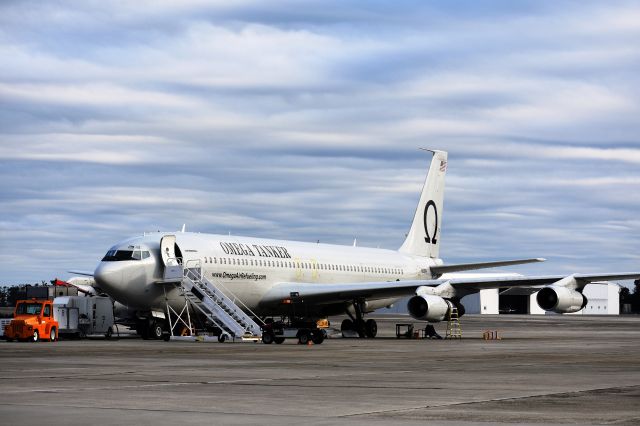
430	308
561	300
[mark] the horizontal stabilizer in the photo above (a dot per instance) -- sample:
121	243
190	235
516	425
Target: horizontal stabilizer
85	273
444	269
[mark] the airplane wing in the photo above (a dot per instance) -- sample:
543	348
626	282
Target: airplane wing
347	292
444	269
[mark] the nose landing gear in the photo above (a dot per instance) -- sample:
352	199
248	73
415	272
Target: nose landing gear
151	328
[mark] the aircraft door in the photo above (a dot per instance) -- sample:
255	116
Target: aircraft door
168	250
172	266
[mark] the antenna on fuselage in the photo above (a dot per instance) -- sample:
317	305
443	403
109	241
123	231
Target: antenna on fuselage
355	242
184	227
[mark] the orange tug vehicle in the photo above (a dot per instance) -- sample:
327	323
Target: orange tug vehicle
32	321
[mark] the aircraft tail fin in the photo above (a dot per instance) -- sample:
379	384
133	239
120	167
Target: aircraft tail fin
423	238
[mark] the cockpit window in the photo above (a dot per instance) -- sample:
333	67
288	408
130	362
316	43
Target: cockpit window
120	255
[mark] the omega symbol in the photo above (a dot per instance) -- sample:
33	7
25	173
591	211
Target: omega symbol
431	238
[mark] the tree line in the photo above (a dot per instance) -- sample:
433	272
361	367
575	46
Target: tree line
9	294
632	298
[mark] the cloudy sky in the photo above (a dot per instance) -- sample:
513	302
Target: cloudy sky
302	120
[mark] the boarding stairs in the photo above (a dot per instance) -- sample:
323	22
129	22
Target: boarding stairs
454	330
220	309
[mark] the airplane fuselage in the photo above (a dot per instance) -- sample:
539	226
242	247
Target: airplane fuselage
248	268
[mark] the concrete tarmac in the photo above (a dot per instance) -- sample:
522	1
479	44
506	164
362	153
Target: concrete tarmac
545	370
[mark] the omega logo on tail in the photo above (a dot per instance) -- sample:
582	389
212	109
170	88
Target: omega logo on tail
431	238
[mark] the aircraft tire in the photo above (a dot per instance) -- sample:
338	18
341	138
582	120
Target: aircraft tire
155	330
359	327
371	328
347	325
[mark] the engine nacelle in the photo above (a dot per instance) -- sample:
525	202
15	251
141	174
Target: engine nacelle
430	308
562	300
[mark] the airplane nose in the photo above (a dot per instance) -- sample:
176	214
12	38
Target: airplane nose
108	277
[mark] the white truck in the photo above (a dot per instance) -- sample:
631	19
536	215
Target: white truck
82	316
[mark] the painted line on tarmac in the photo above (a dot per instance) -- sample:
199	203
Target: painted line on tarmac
483	401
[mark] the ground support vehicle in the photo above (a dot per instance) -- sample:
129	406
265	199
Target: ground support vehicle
80	316
294	326
32	321
304	331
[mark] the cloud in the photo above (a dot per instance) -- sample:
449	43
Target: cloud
303	123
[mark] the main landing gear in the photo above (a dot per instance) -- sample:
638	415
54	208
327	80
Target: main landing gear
357	324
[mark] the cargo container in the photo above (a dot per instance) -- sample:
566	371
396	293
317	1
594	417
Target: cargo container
83	316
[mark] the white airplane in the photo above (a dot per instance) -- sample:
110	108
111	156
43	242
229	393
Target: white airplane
331	279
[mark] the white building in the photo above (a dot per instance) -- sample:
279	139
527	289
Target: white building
604	299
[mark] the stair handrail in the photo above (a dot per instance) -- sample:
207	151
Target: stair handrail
197	277
242	304
194	264
216	323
